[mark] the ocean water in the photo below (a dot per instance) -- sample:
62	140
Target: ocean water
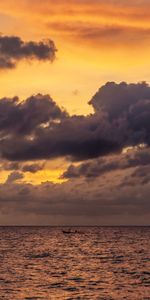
75	263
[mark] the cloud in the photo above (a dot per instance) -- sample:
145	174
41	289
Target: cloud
142	173
139	176
100	201
21	167
104	34
9	166
126	104
22	118
74	137
116	99
105	185
14	176
32	168
13	49
100	166
38	129
111	8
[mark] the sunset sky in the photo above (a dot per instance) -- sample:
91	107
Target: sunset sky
74	112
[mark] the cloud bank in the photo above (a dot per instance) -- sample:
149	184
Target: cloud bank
102	201
105	184
38	129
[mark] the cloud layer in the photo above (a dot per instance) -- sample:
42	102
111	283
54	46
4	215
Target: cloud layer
102	34
105	184
39	129
99	167
109	200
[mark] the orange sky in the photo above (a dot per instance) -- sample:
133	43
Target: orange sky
96	42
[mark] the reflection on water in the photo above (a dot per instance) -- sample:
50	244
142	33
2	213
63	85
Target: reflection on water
77	263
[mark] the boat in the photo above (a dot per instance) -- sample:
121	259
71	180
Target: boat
69	231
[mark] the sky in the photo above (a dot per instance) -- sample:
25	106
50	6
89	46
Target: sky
74	112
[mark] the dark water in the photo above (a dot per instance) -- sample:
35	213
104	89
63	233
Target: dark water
89	263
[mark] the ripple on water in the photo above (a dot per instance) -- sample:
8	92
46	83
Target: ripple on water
98	264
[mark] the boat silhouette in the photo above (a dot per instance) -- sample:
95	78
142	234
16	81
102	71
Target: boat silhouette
69	231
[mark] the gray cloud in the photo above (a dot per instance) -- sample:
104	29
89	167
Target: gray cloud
21	167
22	118
74	136
117	99
14	176
100	166
13	49
58	141
101	202
139	176
112	189
142	173
32	168
39	129
9	166
126	105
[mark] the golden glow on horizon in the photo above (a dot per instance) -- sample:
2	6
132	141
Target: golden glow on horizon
44	176
51	172
36	178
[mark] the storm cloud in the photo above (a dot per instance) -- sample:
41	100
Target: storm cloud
22	118
38	129
100	166
77	202
104	183
13	49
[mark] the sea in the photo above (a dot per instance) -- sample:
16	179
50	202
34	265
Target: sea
103	263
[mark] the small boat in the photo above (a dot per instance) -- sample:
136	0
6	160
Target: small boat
67	231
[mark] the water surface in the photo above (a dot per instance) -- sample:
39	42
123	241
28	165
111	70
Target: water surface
104	263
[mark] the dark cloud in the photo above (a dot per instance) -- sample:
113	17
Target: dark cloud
100	202
73	137
22	118
38	129
117	99
21	167
32	168
126	104
13	49
14	176
100	166
9	166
